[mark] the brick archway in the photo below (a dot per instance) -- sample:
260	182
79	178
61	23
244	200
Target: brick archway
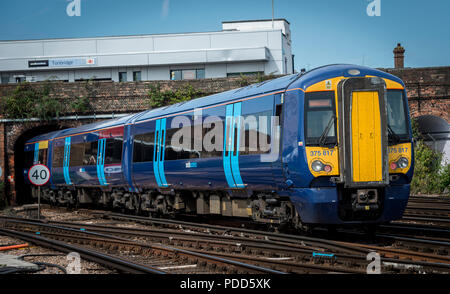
435	107
16	136
435	131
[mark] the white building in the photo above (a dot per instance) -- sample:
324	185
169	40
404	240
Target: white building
246	47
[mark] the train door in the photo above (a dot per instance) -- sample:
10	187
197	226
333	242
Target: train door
366	137
109	157
249	138
230	145
66	162
158	154
363	141
142	158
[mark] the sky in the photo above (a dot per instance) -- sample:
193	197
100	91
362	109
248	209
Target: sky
323	31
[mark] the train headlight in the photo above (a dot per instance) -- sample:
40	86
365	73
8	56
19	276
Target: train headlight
317	166
402	162
353	72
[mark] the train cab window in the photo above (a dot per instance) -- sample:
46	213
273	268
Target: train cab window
113	150
58	156
320	122
143	147
29	159
43	156
396	115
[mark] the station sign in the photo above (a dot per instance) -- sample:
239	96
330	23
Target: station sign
63	62
37	63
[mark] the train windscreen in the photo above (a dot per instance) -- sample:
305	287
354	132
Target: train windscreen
320	118
396	114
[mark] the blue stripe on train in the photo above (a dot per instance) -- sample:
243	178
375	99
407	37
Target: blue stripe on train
36	153
235	153
163	147
156	153
101	162
228	146
66	161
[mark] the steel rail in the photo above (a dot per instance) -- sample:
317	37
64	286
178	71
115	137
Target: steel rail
286	249
101	258
332	245
128	242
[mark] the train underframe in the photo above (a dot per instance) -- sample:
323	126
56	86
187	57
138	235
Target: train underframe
303	210
260	207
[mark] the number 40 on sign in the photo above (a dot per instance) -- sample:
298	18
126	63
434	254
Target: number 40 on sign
39	174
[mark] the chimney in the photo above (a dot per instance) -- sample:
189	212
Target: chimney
399	57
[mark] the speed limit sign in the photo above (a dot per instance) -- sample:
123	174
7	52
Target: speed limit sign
39	174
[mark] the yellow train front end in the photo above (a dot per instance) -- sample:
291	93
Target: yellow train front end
358	148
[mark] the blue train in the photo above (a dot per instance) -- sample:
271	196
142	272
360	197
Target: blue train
329	146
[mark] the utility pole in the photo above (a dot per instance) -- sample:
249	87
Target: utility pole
273	26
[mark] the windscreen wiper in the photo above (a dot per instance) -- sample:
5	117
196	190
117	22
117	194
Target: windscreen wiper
323	137
392	134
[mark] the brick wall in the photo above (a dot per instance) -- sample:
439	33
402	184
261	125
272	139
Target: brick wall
428	90
108	97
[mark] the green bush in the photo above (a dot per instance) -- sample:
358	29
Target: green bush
27	102
444	179
430	176
244	80
159	98
81	105
20	104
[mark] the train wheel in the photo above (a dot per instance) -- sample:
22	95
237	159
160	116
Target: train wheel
137	204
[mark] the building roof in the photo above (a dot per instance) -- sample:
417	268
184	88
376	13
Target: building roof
256	20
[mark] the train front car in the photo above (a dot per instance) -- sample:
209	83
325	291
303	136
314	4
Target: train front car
353	160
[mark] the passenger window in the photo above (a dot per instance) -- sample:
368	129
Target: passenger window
76	154
180	150
58	156
256	126
90	153
113	150
213	132
143	147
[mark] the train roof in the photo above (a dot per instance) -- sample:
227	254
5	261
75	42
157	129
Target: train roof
336	70
44	137
301	81
84	128
248	91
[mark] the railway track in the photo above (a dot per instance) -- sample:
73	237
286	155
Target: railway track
201	247
288	253
123	254
406	247
91	255
422	209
